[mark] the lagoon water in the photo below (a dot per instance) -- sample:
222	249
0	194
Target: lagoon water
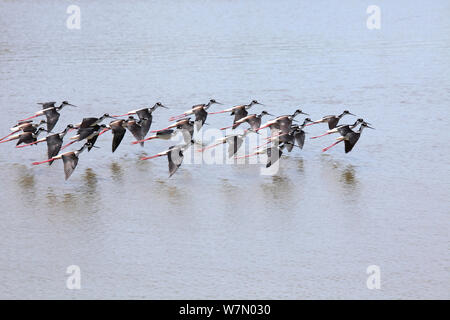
226	231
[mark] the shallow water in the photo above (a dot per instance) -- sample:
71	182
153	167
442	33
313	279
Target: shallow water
226	231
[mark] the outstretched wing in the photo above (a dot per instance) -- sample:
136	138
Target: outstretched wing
70	163
52	118
233	145
47	105
136	131
300	138
200	118
351	141
175	158
54	144
239	114
255	123
343	130
273	155
87	122
118	134
332	123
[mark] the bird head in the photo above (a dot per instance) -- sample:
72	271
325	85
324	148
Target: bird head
264	113
66	103
347	112
366	125
297	112
159	104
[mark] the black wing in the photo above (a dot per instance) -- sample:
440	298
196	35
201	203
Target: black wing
239	114
26	137
84	133
29	128
146	120
273	155
47	105
233	145
70	163
87	122
255	123
175	158
343	130
351	141
136	131
300	138
92	141
52	118
200	118
332	123
54	143
118	134
162	133
285	125
289	145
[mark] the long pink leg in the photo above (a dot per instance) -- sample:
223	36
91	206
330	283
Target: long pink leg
314	122
41	162
103	131
152	157
8	140
329	147
223	111
32	117
224	128
149	138
177	117
246	156
122	115
210	147
70	143
322	135
30	144
9	135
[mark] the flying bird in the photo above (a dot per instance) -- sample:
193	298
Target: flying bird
70	160
174	156
350	138
51	112
332	120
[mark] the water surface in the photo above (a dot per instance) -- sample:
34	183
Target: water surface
223	231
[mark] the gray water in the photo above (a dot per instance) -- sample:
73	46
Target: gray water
226	231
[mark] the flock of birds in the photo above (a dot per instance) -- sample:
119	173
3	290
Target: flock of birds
285	134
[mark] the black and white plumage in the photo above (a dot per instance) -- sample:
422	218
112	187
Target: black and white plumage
332	120
174	155
199	111
350	138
